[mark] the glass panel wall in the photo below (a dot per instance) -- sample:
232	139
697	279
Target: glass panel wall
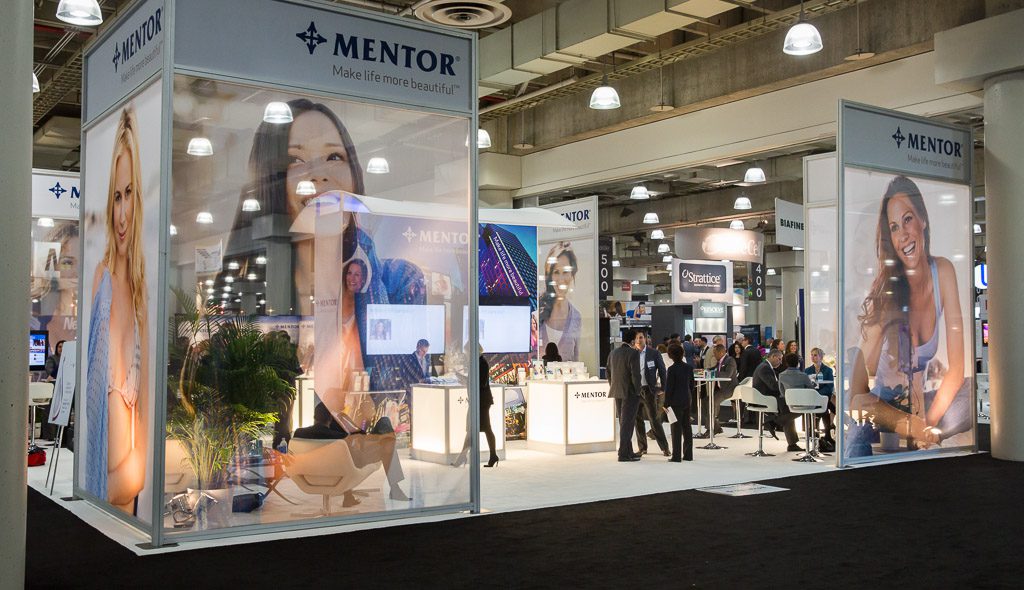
319	269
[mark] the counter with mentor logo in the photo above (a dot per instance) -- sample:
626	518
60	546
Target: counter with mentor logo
570	417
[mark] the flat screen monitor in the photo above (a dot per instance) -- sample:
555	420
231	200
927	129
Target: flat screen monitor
38	348
984	333
503	328
395	329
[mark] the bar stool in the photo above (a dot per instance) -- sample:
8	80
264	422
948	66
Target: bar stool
806	402
737	396
39	394
756	402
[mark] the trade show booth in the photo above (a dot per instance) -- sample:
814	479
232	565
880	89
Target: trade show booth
298	198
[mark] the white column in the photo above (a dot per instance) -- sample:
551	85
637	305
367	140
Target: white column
1004	208
15	223
792	282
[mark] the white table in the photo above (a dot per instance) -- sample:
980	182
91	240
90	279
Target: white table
570	417
440	419
709	384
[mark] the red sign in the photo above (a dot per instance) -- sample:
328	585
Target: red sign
627	286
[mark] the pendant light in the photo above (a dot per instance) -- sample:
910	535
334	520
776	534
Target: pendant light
84	13
639	193
770	272
742	203
803	38
305	188
45	222
233	265
661	107
35	83
173	230
277	113
663	248
261	260
204	217
616	264
666	258
736	224
604	97
657	235
523	144
651	217
754	175
977	228
378	165
483	139
859	54
199	146
250	205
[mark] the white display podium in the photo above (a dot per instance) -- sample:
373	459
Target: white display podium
570	417
440	416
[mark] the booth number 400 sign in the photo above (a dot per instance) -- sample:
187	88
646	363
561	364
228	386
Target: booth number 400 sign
755	286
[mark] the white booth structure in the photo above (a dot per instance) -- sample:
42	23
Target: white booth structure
235	181
570	417
439	422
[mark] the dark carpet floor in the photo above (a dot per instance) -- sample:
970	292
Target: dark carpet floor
945	523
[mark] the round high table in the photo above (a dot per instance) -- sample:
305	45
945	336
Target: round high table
709	384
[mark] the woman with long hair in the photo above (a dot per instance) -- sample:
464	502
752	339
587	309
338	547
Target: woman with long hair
913	305
317	148
560	321
118	354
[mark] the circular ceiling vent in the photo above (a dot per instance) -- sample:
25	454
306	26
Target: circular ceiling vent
464	14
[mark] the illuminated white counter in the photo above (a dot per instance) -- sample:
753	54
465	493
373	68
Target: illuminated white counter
570	417
439	422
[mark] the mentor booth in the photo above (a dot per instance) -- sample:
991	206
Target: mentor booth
233	175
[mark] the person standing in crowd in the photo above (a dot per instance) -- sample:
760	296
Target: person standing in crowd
652	373
820	371
709	360
699	348
725	368
767	382
688	350
750	358
551	354
623	369
678	385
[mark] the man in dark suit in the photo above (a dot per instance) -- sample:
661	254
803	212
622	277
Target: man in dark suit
623	368
767	383
652	375
688	350
750	358
421	360
726	368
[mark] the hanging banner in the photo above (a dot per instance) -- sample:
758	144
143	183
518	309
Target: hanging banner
508	298
905	205
755	282
696	280
605	253
568	282
716	243
789	223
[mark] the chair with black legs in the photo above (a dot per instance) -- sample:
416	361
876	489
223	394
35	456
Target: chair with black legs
757	402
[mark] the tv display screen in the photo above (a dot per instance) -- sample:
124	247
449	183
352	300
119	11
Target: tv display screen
38	349
984	333
503	328
395	329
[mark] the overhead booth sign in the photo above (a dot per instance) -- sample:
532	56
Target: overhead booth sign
715	243
240	153
905	353
696	280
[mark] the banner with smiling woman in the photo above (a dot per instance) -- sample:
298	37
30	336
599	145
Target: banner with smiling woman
905	217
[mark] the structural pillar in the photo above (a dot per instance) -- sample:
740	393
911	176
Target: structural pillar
987	54
15	263
1004	213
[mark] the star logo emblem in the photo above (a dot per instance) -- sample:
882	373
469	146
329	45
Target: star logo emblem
311	37
58	190
898	138
409	234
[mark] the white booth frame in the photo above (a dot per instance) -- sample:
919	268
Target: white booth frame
155	530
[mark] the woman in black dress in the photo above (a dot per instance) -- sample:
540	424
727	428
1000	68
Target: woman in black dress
678	385
486	400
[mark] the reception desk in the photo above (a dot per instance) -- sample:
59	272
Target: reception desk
439	419
570	417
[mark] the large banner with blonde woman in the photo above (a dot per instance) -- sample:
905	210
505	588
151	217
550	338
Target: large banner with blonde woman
907	250
120	222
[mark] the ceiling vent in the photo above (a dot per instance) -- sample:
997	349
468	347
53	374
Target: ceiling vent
464	14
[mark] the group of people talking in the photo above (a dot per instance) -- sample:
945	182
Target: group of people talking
637	373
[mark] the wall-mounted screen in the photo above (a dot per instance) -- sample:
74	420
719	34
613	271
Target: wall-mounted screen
38	348
395	329
503	328
984	333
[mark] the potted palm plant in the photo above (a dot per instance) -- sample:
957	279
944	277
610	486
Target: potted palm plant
229	383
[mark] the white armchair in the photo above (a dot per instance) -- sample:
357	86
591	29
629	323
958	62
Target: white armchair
326	468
